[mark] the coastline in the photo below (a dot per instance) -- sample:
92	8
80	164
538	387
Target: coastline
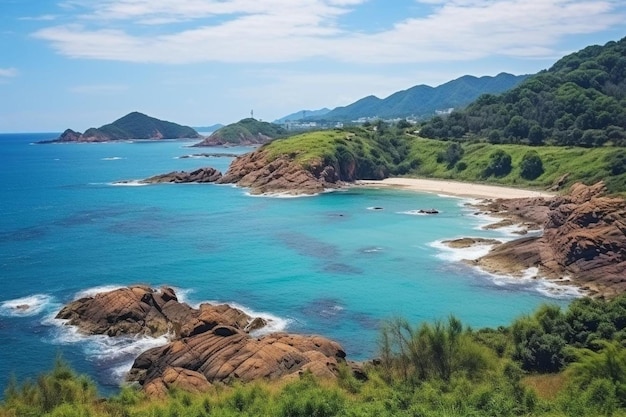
454	188
485	196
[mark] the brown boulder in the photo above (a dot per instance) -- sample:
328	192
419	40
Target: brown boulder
227	353
177	378
140	310
201	175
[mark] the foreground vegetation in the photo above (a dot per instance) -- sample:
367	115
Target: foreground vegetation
549	363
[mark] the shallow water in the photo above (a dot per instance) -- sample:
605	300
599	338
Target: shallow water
328	264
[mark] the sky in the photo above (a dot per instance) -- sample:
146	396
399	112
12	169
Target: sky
85	63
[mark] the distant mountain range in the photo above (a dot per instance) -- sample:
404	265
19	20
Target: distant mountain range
134	125
302	114
579	101
420	101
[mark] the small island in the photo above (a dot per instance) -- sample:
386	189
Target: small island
246	132
133	126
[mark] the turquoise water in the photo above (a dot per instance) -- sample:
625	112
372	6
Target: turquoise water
327	264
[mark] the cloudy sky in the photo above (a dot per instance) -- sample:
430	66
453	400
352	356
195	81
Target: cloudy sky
83	63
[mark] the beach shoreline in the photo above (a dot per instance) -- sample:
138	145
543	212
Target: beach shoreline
504	205
454	188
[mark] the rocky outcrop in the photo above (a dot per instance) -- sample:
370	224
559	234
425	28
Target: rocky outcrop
265	174
210	344
225	354
584	238
140	310
201	175
468	242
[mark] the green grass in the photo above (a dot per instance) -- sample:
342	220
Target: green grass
398	154
588	165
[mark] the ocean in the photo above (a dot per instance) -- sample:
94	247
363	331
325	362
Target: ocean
336	264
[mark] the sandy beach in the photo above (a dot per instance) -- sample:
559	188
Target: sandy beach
455	188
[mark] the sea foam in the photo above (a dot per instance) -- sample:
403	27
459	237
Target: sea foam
114	355
130	183
90	292
26	306
531	279
469	253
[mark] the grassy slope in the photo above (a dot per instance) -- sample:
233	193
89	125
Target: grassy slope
583	164
414	156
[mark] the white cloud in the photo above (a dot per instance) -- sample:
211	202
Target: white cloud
255	31
8	72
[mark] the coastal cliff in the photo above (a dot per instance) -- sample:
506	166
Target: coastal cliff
264	174
583	239
312	162
209	344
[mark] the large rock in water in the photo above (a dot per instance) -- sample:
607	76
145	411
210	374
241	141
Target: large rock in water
201	175
264	174
584	238
140	310
209	344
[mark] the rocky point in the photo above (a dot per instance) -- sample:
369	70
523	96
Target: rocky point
209	344
583	239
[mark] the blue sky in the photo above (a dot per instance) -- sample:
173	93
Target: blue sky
83	63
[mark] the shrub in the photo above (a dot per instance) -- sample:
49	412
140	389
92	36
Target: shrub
499	164
531	166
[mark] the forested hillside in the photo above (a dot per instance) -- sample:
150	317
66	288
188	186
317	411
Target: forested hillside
580	100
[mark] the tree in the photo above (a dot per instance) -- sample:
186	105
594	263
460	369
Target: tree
499	164
536	135
531	166
454	152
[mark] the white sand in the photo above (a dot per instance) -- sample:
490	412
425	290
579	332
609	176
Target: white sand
455	188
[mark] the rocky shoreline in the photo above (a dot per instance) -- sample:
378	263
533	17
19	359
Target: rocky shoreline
582	240
207	345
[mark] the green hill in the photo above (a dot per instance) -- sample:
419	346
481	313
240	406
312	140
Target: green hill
134	125
384	150
580	100
247	131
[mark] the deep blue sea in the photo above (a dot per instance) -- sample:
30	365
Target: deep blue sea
327	264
